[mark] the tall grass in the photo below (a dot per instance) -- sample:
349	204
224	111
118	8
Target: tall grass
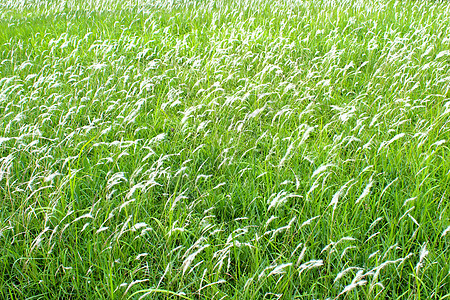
257	149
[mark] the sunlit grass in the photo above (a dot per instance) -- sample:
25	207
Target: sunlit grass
224	149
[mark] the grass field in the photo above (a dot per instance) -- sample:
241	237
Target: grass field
193	149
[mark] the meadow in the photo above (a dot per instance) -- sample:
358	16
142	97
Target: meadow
242	149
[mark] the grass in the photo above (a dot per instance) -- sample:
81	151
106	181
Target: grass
240	149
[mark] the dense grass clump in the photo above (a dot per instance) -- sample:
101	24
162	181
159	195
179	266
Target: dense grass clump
259	149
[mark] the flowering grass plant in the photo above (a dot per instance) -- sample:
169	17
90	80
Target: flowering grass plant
245	149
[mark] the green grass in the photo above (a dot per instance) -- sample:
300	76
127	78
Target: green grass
240	149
